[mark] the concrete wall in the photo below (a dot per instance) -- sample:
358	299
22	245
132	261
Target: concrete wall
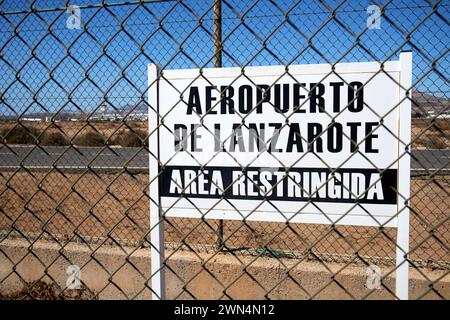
109	271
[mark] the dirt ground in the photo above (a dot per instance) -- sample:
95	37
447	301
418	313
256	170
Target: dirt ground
40	290
424	133
74	129
116	206
430	135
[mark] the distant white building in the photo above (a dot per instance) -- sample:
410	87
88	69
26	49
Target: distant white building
104	115
31	119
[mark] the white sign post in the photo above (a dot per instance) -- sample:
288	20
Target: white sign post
319	144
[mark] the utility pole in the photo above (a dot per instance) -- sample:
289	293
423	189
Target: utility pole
218	64
218	33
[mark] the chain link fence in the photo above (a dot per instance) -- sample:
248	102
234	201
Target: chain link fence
73	128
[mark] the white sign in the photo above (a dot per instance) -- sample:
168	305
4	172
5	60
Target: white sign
317	146
303	143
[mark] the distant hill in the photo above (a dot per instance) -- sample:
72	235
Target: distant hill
424	104
140	107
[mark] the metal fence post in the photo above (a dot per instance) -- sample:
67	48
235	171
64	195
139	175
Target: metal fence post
218	64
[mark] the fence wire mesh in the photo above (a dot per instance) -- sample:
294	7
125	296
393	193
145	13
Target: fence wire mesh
74	151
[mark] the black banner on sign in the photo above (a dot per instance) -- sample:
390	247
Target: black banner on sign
295	184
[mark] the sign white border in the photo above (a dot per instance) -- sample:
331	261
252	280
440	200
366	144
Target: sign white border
400	221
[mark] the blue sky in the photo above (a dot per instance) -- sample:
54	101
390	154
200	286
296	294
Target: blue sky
34	62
